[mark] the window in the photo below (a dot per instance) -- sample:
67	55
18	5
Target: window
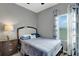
61	22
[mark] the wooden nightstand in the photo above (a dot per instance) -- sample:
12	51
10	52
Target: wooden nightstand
8	47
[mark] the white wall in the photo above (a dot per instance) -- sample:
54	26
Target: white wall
17	16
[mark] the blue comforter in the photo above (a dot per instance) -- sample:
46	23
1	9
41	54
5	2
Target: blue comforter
40	47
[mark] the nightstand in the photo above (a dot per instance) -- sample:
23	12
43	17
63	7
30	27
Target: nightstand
8	47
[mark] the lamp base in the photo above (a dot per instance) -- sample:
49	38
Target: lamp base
7	37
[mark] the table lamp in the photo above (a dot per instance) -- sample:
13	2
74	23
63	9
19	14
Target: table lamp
8	29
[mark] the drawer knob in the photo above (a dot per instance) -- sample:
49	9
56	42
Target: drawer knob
10	49
10	44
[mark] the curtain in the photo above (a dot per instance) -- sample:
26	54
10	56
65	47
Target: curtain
55	28
77	30
71	35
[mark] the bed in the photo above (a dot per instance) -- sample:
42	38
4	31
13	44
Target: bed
40	47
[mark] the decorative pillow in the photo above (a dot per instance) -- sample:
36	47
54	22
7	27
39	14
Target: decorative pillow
33	36
25	37
36	34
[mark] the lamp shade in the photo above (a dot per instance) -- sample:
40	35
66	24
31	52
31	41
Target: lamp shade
8	27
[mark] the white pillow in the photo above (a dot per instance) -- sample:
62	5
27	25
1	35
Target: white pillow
33	36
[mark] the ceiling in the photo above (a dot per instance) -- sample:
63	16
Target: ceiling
36	7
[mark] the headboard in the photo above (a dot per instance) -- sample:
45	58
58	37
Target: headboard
25	31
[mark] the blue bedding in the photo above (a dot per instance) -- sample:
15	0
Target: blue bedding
40	47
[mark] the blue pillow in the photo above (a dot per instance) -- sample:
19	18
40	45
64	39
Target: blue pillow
25	37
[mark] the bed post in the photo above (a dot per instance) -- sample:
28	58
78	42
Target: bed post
19	44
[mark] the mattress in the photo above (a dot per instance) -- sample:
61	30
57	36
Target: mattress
41	46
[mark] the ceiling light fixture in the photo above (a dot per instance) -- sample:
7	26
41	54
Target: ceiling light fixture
42	3
28	3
